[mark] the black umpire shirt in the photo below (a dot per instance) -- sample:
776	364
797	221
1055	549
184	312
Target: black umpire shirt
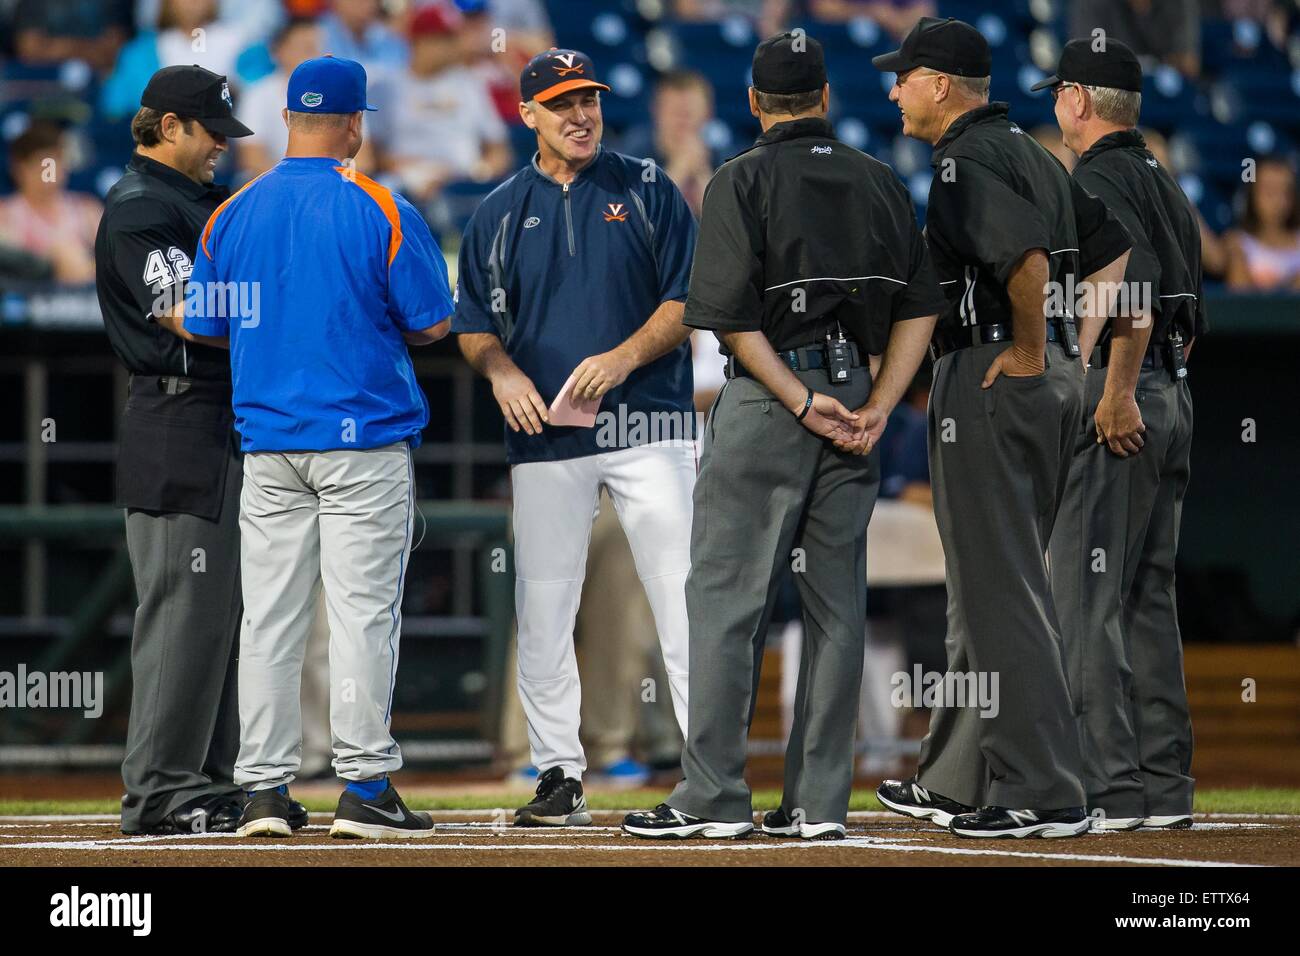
801	232
1166	257
175	437
996	195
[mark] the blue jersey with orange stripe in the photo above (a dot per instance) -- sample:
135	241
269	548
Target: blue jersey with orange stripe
314	271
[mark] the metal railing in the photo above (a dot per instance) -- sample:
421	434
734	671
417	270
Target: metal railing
480	527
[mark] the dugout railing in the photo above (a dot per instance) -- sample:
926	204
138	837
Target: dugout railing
481	527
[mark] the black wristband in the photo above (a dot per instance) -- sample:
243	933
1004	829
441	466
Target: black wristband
806	406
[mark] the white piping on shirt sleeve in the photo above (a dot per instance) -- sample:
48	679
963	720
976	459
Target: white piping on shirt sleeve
833	279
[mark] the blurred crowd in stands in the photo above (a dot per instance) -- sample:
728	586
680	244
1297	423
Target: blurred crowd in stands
1223	88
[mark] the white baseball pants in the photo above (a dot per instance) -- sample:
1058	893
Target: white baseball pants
342	519
555	503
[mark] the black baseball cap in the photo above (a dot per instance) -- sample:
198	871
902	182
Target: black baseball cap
1114	66
192	92
949	46
789	63
555	72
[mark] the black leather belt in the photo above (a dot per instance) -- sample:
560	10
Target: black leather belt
180	384
802	359
950	340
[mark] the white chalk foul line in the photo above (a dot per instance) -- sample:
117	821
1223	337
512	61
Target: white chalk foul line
428	845
62	818
863	816
1029	854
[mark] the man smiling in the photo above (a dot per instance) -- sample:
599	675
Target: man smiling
178	466
572	281
1005	224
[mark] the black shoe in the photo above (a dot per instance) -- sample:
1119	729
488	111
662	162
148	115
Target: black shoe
266	814
204	815
912	800
223	815
297	816
665	823
1003	822
778	824
385	817
227	816
558	803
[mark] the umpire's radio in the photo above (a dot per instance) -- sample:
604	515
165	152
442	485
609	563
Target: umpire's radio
839	357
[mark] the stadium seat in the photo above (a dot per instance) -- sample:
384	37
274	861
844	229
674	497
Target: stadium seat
1272	97
523	143
1168	99
627	103
1229	47
852	43
459	200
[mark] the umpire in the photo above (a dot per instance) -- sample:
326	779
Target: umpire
178	472
809	260
1010	233
1112	553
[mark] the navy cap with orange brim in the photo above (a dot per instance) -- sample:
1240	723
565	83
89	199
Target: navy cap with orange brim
556	72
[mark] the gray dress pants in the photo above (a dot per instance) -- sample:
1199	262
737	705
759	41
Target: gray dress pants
1112	561
183	732
769	493
999	458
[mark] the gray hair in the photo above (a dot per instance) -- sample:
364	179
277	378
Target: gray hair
975	87
534	106
1120	107
789	103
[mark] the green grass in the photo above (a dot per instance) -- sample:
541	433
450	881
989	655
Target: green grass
1249	800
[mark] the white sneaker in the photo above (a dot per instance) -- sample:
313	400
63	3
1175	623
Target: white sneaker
777	824
666	823
1103	824
1182	821
821	831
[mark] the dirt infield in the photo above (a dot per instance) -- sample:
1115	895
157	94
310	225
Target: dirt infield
481	838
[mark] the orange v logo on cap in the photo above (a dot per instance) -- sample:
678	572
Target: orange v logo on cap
616	213
567	60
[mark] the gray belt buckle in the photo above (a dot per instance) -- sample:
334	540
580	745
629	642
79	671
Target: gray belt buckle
174	385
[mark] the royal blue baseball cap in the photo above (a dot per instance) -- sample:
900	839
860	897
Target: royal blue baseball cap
328	84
